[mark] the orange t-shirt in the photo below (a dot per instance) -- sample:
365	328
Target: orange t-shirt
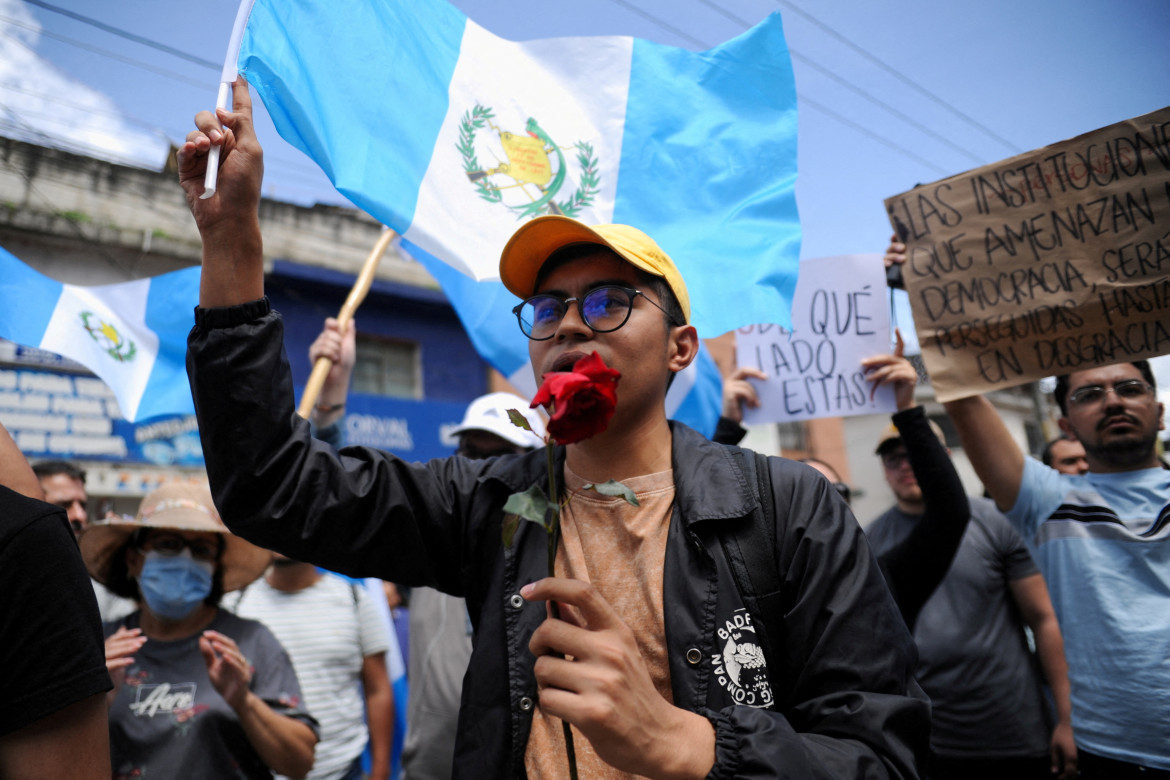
620	549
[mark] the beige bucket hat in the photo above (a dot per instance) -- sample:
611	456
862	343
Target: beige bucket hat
181	507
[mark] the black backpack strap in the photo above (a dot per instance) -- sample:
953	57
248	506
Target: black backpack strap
750	548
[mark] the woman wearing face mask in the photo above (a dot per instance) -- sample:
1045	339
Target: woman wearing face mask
198	691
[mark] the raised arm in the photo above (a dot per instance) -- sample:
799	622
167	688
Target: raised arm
228	221
914	567
341	350
993	452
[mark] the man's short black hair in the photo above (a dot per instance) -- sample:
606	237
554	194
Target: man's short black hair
1062	386
1046	453
51	468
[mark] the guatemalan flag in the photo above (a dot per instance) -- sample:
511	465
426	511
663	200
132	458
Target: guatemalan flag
133	335
453	137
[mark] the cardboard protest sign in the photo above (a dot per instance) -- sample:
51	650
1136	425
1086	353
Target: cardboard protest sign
1045	263
840	314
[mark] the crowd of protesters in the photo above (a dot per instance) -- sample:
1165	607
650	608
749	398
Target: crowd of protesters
707	612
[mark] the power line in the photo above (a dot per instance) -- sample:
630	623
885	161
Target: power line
893	110
102	52
127	35
89	110
661	23
800	96
899	75
880	139
304	171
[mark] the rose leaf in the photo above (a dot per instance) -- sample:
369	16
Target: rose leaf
531	505
615	488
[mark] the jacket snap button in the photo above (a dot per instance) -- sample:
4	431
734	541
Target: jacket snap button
694	656
516	600
526	704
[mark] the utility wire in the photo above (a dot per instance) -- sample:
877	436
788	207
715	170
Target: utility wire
893	110
800	96
127	35
879	138
305	172
899	75
90	110
102	52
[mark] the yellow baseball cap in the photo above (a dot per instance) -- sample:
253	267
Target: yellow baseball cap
531	245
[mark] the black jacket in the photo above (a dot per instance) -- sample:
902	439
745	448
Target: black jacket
846	704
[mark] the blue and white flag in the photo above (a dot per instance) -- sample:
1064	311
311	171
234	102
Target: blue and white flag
485	308
452	137
133	335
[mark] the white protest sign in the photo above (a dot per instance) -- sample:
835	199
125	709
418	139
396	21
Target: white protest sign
840	315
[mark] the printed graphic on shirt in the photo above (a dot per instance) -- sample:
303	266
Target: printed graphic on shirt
162	699
740	666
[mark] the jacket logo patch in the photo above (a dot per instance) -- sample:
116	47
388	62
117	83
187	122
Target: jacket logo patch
740	666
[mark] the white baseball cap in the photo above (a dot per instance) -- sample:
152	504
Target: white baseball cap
490	413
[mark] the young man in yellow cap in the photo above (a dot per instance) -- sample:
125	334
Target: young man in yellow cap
656	660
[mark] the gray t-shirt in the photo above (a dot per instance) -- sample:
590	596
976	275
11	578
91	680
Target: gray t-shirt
440	649
974	662
169	721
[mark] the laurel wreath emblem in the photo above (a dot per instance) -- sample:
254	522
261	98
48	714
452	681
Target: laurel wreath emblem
479	117
473	120
590	182
106	335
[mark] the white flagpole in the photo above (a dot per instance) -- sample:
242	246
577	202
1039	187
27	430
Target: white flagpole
226	78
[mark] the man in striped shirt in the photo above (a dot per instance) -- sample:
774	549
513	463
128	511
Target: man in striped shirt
337	642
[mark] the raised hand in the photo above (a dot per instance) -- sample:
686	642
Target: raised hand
738	392
894	370
339	347
229	671
120	649
241	162
229	220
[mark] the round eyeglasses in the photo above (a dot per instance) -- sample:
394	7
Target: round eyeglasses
603	309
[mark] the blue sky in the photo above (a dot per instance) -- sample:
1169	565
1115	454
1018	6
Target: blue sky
891	94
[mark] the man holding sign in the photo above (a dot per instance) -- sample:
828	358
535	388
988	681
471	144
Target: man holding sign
1102	541
1056	260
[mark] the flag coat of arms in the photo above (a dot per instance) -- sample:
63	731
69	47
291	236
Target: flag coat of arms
453	136
133	335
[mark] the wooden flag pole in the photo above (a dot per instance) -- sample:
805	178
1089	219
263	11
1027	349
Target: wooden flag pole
352	302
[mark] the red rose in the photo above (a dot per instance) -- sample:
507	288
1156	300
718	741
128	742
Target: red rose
580	402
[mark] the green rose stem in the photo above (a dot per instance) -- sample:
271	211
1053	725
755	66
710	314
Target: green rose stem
554	540
586	399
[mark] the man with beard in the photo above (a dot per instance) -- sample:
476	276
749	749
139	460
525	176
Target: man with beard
1102	541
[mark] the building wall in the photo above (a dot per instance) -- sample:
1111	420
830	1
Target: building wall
84	221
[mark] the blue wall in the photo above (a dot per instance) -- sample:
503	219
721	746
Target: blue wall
452	370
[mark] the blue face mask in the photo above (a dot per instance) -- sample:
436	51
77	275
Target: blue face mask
173	585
